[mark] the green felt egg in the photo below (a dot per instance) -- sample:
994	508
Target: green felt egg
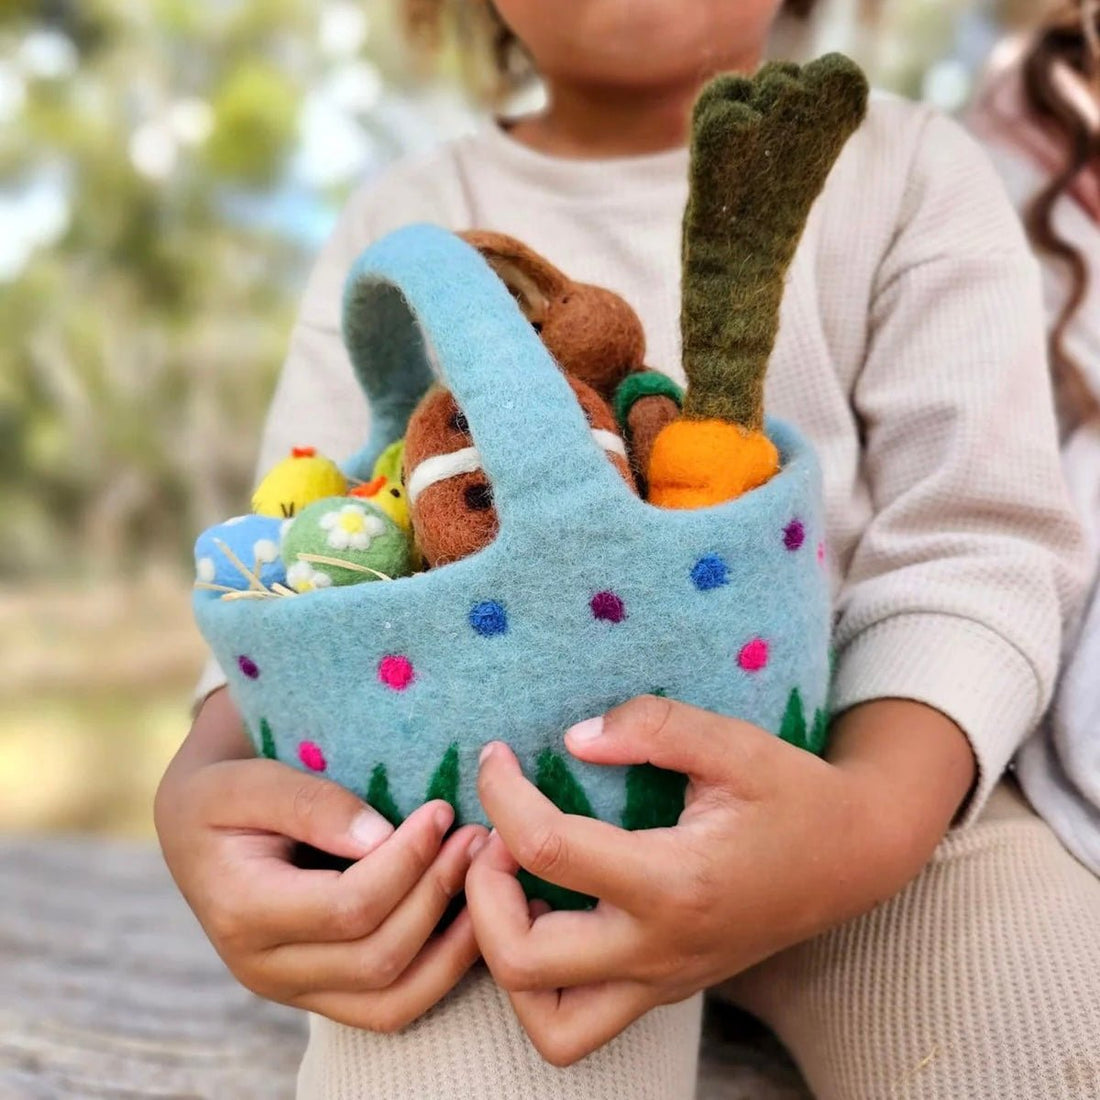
343	529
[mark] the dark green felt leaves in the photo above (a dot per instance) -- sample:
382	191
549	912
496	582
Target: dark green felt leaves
795	731
378	796
558	783
267	741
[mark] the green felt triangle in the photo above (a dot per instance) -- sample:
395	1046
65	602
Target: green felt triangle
267	741
654	797
378	796
793	728
819	735
444	781
558	783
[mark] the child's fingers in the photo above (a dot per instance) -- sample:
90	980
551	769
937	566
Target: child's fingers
432	975
267	796
567	1026
579	853
550	951
282	904
378	960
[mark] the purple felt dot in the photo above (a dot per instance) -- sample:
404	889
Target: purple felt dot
396	672
310	754
608	607
248	667
794	535
754	655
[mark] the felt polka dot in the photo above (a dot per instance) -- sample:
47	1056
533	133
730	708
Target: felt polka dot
710	572
311	755
821	553
608	607
489	619
248	667
794	535
396	672
754	655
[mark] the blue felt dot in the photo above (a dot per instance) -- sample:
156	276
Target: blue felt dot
709	573
489	618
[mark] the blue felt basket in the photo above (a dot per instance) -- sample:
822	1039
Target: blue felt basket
588	596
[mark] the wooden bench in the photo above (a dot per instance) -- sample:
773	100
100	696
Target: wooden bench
108	988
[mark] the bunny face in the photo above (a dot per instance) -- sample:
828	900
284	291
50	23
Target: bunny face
592	333
450	497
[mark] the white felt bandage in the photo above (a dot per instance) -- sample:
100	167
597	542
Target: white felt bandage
468	460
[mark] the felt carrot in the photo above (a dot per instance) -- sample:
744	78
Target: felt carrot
762	149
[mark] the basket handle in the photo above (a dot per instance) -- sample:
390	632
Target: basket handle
422	305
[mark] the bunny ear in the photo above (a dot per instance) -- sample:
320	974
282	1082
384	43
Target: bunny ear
533	281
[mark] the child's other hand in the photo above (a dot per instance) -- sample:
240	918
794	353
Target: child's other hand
774	846
356	946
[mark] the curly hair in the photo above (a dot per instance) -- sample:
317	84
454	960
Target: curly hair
1071	38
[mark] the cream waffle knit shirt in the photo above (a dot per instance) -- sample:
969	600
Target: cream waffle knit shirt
911	352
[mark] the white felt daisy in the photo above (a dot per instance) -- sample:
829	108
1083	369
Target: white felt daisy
351	528
302	577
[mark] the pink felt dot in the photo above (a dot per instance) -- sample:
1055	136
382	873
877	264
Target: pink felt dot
311	755
794	535
396	672
821	553
608	607
248	667
754	655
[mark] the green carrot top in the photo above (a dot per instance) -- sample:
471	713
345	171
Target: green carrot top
762	149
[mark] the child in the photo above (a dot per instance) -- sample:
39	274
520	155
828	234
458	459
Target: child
911	353
1041	121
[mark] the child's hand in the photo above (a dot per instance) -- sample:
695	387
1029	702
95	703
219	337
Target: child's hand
774	846
356	946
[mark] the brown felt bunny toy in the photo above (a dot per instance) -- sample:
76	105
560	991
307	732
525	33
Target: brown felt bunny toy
599	343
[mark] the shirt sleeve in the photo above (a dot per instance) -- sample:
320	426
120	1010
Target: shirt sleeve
960	586
317	401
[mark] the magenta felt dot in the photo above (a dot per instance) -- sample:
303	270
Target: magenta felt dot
311	755
794	535
754	655
608	608
396	672
248	667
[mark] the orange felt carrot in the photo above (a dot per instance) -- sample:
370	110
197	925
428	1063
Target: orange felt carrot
761	152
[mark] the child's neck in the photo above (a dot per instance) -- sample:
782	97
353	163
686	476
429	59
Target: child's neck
595	122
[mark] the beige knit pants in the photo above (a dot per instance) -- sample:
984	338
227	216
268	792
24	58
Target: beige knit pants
980	980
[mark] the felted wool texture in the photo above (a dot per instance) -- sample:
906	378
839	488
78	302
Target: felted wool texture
253	540
350	530
700	463
394	674
454	517
594	335
762	149
296	482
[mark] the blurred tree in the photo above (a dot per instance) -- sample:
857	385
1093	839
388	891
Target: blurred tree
149	157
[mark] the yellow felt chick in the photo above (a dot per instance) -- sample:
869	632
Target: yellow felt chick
297	482
385	489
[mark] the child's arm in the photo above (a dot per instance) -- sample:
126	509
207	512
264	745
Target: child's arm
354	946
954	598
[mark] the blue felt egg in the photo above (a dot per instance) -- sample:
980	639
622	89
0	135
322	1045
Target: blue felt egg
255	541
